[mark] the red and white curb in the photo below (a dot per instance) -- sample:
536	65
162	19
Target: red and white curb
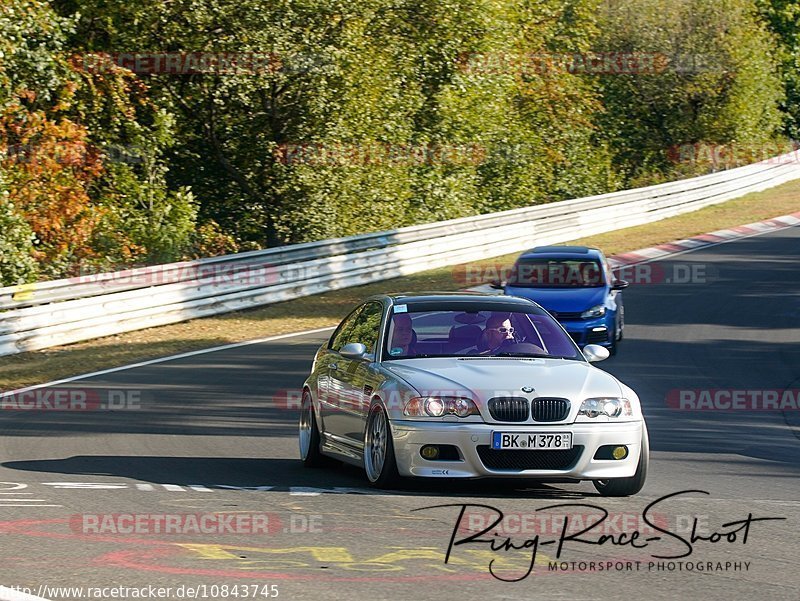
685	245
704	240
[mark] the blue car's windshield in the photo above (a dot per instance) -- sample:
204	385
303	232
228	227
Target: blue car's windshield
556	273
456	332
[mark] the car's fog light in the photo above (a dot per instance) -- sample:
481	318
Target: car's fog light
429	452
615	452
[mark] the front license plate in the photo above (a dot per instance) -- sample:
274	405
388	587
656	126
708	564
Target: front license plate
558	441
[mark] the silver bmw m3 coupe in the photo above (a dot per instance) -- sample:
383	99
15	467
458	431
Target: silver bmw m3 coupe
469	385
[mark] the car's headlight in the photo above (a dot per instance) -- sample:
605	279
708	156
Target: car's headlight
610	407
432	406
596	311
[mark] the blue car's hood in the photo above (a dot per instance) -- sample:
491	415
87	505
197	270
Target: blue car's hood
562	299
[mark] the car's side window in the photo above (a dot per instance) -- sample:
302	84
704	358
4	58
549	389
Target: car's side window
367	326
610	275
340	336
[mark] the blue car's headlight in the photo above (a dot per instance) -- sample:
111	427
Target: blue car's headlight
596	311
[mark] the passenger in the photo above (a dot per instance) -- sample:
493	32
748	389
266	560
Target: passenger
403	336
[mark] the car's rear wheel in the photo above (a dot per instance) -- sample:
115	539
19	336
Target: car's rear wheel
379	459
623	487
309	434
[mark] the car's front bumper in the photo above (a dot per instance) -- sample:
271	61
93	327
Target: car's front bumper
590	331
410	436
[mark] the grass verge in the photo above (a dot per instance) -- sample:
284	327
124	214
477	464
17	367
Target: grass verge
327	309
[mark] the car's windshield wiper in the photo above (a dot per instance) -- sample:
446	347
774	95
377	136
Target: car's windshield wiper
528	355
422	356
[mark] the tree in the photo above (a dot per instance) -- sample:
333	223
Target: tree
783	18
366	119
717	80
61	127
17	265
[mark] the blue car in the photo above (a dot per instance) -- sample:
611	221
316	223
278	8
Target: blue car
576	285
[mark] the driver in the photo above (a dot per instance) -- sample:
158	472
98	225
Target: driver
499	333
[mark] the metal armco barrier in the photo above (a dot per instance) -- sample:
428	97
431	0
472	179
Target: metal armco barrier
46	314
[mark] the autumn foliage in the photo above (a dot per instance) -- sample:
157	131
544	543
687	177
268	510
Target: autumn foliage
50	167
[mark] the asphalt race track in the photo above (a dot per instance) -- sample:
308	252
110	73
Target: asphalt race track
216	432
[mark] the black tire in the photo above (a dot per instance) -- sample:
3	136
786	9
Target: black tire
617	336
310	455
624	487
387	476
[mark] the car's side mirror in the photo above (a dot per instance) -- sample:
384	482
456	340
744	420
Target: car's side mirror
497	284
353	350
595	352
620	285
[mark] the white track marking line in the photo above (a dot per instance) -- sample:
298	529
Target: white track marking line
4	505
173	488
23	500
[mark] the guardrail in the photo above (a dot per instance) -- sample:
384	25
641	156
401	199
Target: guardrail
53	313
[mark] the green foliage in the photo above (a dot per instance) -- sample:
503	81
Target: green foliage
31	38
783	18
145	223
17	265
364	75
718	86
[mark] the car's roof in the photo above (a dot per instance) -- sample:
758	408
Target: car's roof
460	296
577	252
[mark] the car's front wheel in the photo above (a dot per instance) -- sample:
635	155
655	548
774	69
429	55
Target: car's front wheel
623	487
617	336
309	434
379	459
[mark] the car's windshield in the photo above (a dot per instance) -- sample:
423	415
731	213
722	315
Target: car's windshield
556	273
475	331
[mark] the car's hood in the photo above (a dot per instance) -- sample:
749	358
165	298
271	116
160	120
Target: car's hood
485	377
561	299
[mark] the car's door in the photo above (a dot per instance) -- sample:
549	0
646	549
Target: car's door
329	388
355	379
